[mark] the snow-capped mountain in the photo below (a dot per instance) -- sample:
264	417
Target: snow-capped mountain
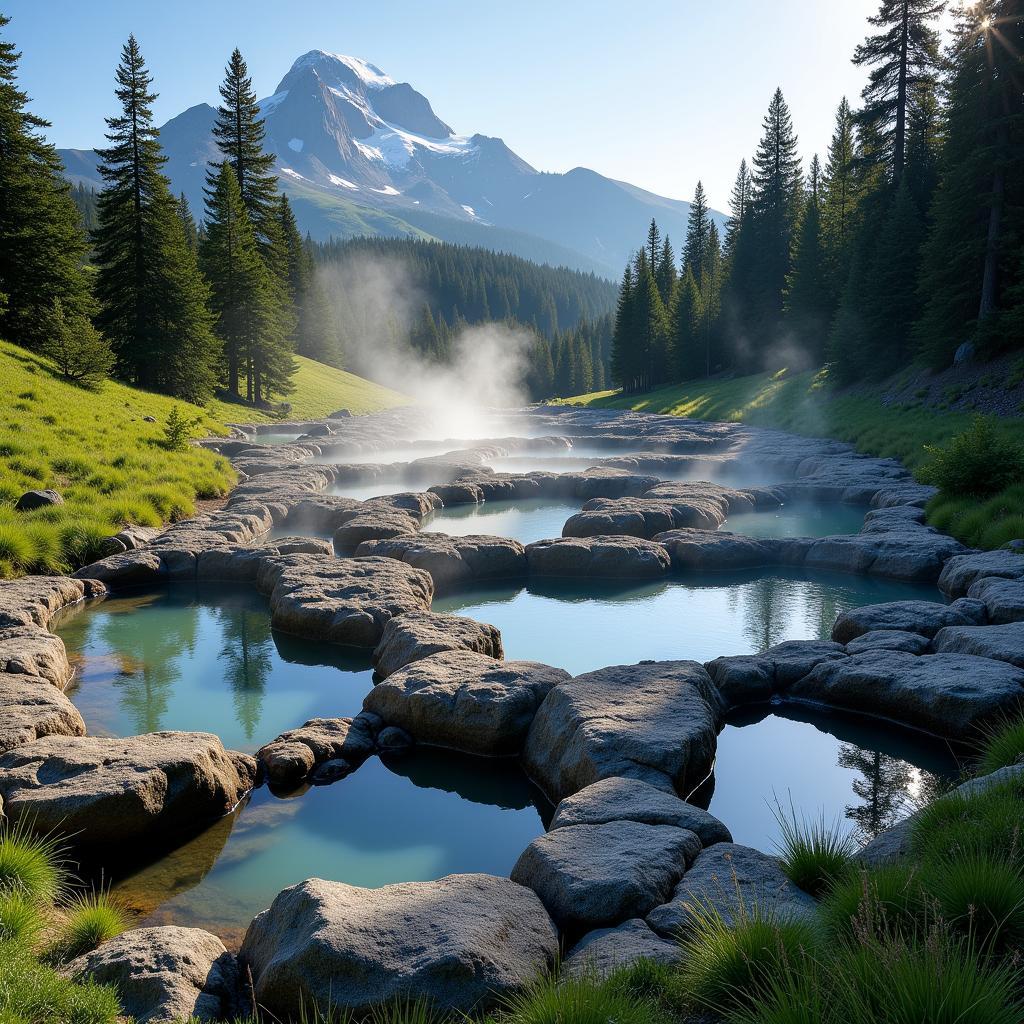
360	153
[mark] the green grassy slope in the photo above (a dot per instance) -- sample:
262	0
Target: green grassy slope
805	404
111	466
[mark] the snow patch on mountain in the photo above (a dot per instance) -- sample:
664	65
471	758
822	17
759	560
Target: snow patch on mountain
369	74
343	182
387	190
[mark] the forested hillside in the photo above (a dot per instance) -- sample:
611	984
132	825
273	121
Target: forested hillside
904	244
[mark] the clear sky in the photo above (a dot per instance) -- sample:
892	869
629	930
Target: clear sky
655	92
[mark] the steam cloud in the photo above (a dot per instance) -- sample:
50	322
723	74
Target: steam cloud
379	301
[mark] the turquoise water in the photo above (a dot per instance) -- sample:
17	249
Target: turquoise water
580	626
525	521
204	660
414	818
863	775
277	438
798	520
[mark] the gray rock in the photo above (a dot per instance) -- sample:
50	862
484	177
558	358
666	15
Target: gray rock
1003	599
621	799
598	557
923	617
377	525
961	573
727	877
720	551
34	651
129	569
38	499
454	561
911	553
415	635
461	492
295	754
950	695
463	942
339	414
391	738
465	701
30	708
117	790
656	721
165	975
593	876
888	640
753	678
33	600
1002	643
606	950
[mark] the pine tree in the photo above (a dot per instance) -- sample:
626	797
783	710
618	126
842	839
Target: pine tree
841	182
42	247
151	294
650	327
903	56
653	247
710	287
623	358
188	223
666	273
687	358
697	226
239	132
583	370
739	202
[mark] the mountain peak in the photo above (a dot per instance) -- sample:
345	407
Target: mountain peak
338	68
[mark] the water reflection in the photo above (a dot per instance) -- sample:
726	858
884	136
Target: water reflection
526	521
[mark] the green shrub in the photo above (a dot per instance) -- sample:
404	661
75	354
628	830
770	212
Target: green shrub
30	864
1002	746
179	430
791	997
15	548
576	1000
88	920
881	901
979	462
725	965
814	853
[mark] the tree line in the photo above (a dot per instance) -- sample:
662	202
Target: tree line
904	245
169	305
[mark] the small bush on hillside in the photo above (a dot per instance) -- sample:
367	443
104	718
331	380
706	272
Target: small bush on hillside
81	353
814	854
979	462
179	430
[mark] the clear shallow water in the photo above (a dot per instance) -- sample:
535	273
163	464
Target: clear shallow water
183	658
374	489
798	520
584	625
525	521
276	438
865	775
415	818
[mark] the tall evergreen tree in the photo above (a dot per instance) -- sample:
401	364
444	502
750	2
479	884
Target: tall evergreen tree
685	328
188	224
623	358
650	327
152	297
42	247
739	203
698	225
903	56
710	287
841	183
666	273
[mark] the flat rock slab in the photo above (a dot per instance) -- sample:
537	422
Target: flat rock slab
461	943
950	695
30	708
1002	643
923	617
961	572
373	526
721	551
34	651
592	876
113	790
465	701
32	600
417	635
165	975
598	557
753	678
725	878
295	754
911	553
668	507
606	950
621	799
343	600
889	640
657	722
454	561
1003	599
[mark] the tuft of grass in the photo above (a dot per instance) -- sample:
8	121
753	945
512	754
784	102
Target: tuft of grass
21	921
814	853
89	919
30	864
886	900
576	1000
1002	746
725	966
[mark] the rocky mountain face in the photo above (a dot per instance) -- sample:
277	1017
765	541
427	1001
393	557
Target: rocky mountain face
360	153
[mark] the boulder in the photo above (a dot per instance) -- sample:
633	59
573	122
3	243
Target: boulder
118	790
593	876
342	600
598	557
754	678
454	561
32	600
339	414
620	799
656	721
950	695
911	553
888	640
961	572
730	879
165	975
417	635
721	551
606	950
1003	599
461	492
375	525
461	943
464	700
144	567
923	617
1002	643
30	708
34	651
295	754
38	499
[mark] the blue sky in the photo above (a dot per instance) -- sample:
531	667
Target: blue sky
655	92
